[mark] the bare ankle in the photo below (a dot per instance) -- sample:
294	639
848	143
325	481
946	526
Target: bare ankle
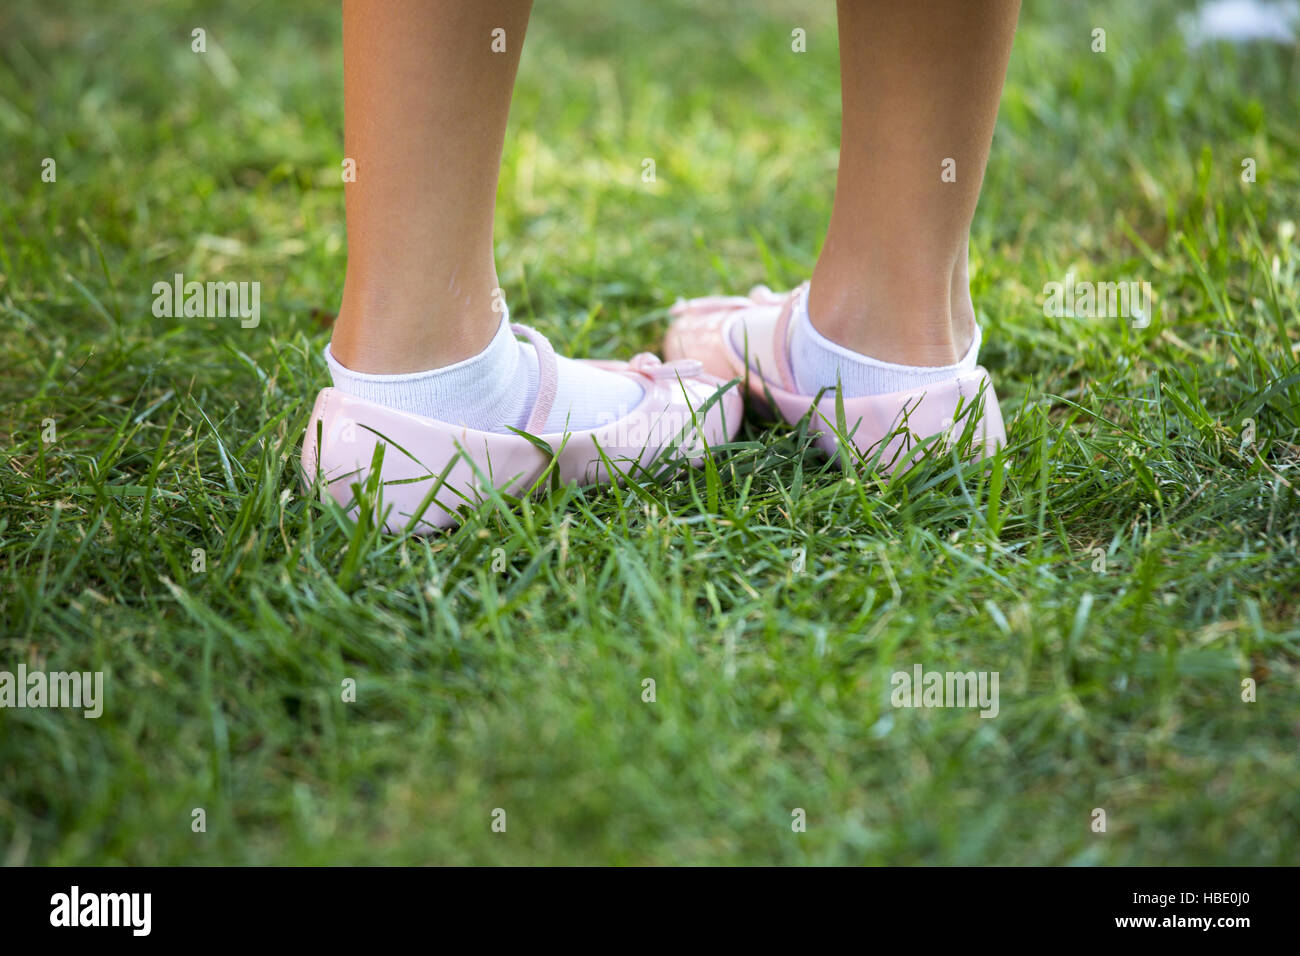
913	329
392	330
963	326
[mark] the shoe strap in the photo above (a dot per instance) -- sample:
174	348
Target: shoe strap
548	377
781	340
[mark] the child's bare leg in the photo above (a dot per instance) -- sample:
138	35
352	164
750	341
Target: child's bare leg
427	87
426	102
921	81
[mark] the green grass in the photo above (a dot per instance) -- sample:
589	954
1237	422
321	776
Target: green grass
522	688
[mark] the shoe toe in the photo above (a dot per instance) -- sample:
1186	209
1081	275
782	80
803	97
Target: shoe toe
722	418
703	338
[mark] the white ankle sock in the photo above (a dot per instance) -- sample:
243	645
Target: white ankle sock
818	363
496	389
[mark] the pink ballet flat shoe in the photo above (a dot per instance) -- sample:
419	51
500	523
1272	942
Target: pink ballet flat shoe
430	471
890	430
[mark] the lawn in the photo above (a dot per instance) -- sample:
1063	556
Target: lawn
1128	567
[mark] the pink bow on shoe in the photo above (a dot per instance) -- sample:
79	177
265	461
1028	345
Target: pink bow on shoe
652	367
